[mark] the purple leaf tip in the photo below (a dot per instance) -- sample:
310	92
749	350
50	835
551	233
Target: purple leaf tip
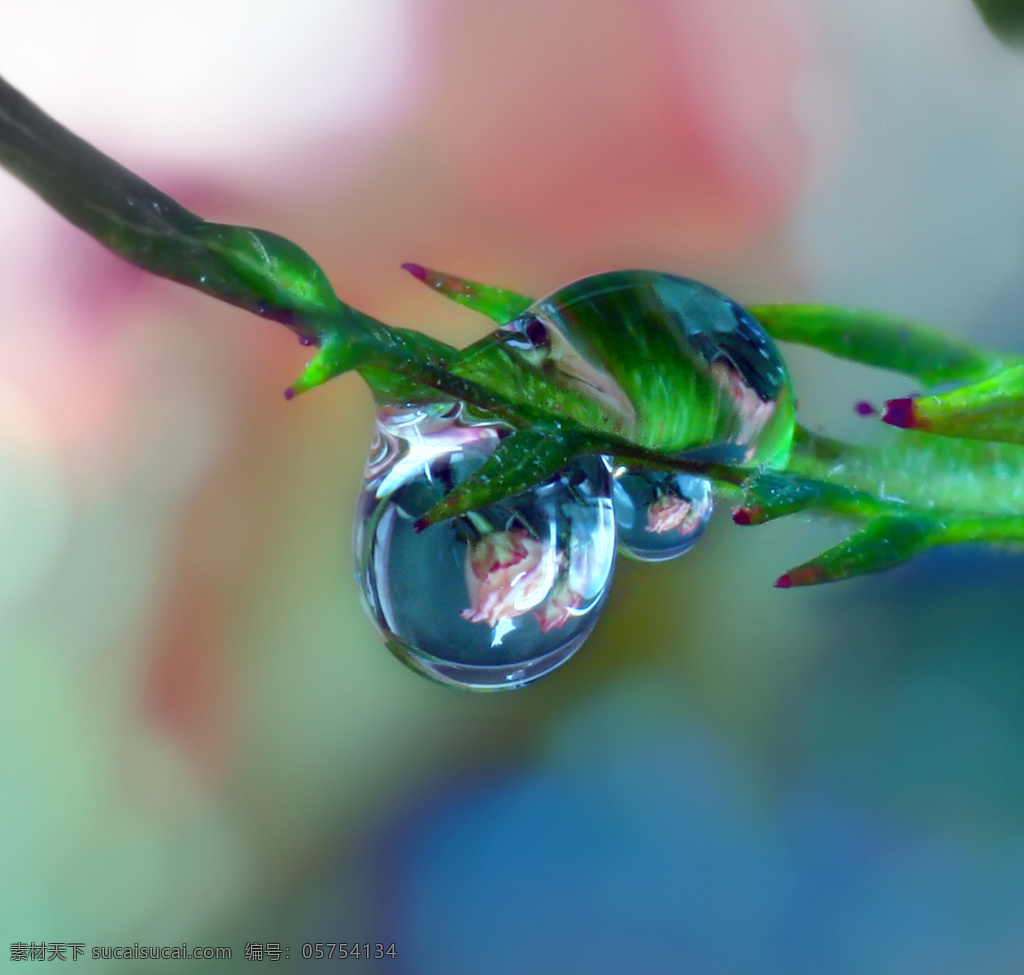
899	412
289	393
416	270
784	581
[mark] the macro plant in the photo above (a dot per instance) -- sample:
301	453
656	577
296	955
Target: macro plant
604	418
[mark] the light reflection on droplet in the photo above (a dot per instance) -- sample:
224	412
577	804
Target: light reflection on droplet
493	599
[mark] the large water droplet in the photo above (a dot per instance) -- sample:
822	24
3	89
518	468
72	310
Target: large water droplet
490	600
673	365
660	515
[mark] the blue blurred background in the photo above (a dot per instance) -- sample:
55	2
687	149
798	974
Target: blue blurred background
202	739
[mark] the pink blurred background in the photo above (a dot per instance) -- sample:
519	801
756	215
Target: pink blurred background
203	740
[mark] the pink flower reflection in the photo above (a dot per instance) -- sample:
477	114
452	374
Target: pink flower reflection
571	589
671	512
507	574
753	413
558	610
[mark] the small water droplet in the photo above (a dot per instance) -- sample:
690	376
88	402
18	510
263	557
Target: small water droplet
493	599
660	515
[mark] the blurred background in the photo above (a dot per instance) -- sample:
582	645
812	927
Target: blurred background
201	737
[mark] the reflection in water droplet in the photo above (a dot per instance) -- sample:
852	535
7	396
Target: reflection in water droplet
660	515
493	599
675	365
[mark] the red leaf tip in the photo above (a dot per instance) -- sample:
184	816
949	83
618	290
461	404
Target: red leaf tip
784	581
741	516
416	270
900	413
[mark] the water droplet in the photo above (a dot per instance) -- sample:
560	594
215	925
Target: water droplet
659	514
673	365
494	599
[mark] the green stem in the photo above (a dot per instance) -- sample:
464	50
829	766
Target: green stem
912	489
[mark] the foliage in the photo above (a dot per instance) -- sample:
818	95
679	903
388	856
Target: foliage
948	475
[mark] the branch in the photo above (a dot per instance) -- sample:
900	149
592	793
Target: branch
953	476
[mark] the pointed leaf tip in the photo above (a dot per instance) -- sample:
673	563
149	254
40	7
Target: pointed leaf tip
741	516
498	304
804	575
900	413
289	393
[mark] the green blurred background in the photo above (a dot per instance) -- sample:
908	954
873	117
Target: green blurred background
202	739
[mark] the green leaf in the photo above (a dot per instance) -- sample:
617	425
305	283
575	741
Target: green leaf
989	410
498	304
521	461
880	544
772	494
878	340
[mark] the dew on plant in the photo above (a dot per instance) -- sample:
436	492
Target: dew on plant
679	385
680	366
658	514
493	599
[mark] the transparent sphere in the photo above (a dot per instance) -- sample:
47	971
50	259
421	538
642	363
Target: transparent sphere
490	600
658	514
672	363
